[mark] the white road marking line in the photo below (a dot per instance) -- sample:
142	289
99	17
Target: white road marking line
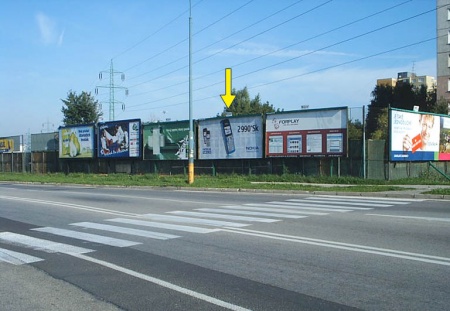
242	212
445	261
298	207
276	210
346	203
377	199
223	216
198	221
40	244
328	206
16	258
162	283
163	225
413	217
128	231
362	200
87	237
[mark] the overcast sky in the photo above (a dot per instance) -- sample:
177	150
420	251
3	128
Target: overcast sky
292	53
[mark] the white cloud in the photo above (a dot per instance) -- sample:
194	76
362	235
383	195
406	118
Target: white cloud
48	29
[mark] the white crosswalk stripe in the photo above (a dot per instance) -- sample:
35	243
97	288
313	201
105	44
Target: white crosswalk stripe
163	225
224	216
297	207
87	237
275	210
16	258
198	221
242	212
345	202
41	244
128	231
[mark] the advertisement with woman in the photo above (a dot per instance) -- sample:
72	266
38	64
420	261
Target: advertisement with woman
418	136
119	139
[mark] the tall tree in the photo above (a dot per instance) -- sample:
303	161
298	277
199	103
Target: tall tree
80	109
243	104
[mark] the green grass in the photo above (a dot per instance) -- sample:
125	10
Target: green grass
233	181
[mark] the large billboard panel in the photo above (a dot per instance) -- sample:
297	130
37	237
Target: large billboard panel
6	145
45	142
419	136
119	139
76	141
166	140
231	138
307	133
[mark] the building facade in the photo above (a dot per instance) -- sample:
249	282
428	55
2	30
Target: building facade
411	78
443	49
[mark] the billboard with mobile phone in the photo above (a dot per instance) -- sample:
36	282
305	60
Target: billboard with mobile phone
230	138
307	133
119	139
418	136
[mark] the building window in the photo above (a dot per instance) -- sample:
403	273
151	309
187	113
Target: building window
449	60
448	14
448	85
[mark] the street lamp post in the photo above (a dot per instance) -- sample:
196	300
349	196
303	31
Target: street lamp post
191	123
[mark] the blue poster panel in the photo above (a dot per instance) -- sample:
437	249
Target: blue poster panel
119	139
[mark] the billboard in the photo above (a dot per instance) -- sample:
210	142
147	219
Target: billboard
230	138
418	136
119	139
166	141
76	141
45	142
6	145
307	133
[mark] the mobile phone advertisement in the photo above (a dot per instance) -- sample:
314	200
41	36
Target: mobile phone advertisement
231	138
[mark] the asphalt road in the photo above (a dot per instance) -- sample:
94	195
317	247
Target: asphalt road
89	248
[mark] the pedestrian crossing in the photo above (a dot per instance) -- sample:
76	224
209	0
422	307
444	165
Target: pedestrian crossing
173	224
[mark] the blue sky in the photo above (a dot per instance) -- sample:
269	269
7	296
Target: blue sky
292	53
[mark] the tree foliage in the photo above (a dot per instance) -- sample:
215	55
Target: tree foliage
402	96
80	109
354	130
244	105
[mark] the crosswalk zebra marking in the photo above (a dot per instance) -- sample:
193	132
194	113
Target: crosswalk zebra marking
41	244
258	207
243	212
16	258
298	207
198	221
342	202
128	231
163	225
100	239
223	216
334	207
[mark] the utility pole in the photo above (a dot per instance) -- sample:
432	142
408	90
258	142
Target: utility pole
191	122
112	87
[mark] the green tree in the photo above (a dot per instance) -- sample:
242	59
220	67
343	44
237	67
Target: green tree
441	106
244	105
80	109
402	96
354	129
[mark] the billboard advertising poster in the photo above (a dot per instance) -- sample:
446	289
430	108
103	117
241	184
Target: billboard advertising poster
417	136
119	139
315	132
76	141
166	140
230	138
6	145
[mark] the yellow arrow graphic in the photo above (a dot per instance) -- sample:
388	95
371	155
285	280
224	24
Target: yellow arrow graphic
227	97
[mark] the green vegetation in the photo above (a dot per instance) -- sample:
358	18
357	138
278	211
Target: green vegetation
256	182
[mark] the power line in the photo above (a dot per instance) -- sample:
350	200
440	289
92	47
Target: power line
279	50
311	52
252	37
